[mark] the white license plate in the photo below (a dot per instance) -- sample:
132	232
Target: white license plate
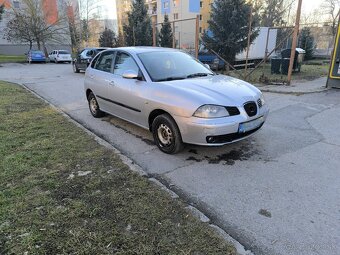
250	125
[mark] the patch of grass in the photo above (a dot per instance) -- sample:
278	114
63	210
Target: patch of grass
263	75
12	59
62	193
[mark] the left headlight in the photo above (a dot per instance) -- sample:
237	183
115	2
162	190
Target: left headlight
211	111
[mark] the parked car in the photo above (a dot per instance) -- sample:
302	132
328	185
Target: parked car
84	58
35	56
59	56
173	95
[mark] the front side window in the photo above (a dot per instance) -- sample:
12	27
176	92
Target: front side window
123	63
104	61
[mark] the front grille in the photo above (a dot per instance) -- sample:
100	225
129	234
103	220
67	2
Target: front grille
233	111
251	108
259	102
230	137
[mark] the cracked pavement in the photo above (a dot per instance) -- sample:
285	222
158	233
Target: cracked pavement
276	192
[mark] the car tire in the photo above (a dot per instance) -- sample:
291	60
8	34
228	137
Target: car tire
166	134
94	106
75	68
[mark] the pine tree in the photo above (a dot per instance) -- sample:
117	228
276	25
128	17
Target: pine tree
228	28
2	10
138	31
166	35
108	38
306	42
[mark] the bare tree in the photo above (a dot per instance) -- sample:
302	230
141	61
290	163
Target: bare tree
16	30
331	8
29	24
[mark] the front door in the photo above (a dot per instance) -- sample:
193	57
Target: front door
127	94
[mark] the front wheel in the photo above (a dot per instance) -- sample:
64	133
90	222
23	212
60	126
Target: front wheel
166	134
94	106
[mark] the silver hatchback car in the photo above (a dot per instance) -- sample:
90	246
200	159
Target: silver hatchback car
174	96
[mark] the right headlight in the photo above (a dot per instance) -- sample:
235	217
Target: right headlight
211	111
262	100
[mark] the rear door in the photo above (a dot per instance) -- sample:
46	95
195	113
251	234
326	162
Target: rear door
99	78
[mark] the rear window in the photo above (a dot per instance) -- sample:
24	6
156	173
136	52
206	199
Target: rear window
64	52
37	52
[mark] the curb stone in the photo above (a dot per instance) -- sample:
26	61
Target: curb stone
239	247
198	214
163	187
136	168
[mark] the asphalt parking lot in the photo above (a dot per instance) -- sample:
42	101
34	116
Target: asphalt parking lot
276	192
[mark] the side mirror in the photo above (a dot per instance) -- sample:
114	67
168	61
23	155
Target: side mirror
130	74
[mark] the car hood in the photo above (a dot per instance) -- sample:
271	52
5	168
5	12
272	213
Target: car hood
217	89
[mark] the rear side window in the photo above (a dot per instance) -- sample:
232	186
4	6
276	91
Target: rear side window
104	61
124	62
64	52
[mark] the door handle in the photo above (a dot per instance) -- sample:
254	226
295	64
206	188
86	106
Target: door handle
112	83
91	76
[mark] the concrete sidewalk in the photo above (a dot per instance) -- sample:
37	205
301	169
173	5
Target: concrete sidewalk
297	87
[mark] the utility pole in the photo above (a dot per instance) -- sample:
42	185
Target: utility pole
249	35
294	42
197	35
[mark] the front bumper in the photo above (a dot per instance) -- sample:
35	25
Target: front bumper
219	131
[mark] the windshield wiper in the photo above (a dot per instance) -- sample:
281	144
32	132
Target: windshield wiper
173	78
198	75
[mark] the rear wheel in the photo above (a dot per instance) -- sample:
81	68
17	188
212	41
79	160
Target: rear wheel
94	107
166	134
75	68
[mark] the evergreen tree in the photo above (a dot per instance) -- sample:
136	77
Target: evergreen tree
138	31
166	35
306	42
273	12
2	10
228	28
108	39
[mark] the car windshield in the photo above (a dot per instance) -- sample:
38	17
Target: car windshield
37	52
63	52
172	65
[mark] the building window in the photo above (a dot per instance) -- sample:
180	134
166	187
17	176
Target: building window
201	4
166	5
175	15
200	17
16	4
200	29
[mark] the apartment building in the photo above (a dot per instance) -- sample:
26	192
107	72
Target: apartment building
52	9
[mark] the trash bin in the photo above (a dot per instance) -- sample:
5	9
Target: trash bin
285	65
299	57
275	65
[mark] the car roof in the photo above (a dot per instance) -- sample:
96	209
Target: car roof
143	49
96	48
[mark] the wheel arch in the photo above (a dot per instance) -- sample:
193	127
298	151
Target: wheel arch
156	113
88	91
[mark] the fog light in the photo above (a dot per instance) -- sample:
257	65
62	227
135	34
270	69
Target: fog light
210	139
